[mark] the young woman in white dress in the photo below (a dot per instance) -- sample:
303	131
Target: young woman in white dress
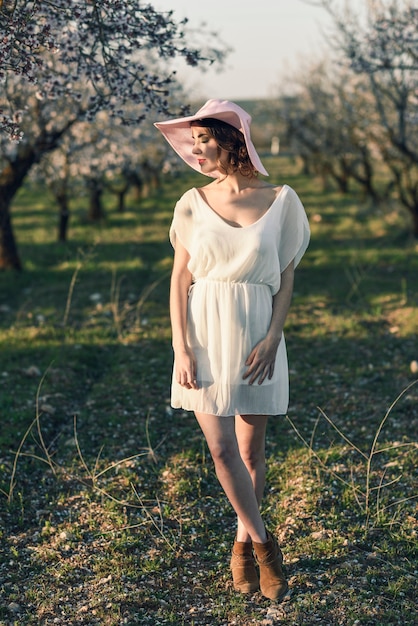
237	241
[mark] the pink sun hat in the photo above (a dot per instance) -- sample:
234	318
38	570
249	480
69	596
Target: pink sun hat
179	136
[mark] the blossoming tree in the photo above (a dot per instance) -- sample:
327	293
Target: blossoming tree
102	155
383	46
61	63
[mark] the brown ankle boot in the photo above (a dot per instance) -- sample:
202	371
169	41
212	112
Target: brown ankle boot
244	574
269	557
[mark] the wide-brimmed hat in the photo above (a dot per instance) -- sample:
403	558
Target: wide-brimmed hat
178	133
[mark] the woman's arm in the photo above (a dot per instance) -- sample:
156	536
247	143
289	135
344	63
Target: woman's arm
181	279
262	358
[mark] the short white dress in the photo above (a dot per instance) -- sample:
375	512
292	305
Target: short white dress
236	271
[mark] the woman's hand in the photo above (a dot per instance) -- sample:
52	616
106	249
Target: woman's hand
262	357
185	368
261	361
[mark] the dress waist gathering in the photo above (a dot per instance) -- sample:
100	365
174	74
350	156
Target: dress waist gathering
227	281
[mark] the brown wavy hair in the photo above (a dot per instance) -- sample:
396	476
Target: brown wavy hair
232	141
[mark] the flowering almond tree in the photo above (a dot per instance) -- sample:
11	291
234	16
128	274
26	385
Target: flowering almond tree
61	63
329	125
383	46
99	155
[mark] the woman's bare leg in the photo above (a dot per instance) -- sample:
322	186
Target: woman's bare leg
251	435
232	472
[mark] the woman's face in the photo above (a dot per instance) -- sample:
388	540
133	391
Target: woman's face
206	149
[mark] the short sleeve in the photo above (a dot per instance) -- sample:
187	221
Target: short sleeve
182	224
294	232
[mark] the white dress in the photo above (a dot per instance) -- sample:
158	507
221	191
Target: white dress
236	271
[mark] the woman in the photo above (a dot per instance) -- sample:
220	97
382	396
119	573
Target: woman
237	241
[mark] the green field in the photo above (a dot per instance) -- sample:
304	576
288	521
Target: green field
110	510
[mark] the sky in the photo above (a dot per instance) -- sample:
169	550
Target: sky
267	37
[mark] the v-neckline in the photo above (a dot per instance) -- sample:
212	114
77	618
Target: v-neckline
224	221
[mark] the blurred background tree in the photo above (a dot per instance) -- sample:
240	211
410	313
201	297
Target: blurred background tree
354	114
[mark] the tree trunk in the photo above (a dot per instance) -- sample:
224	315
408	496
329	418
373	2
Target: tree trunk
121	201
96	212
136	181
11	179
9	256
368	187
306	167
343	176
414	213
363	173
404	183
152	175
64	216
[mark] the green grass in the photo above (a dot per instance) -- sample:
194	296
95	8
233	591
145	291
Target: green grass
110	510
